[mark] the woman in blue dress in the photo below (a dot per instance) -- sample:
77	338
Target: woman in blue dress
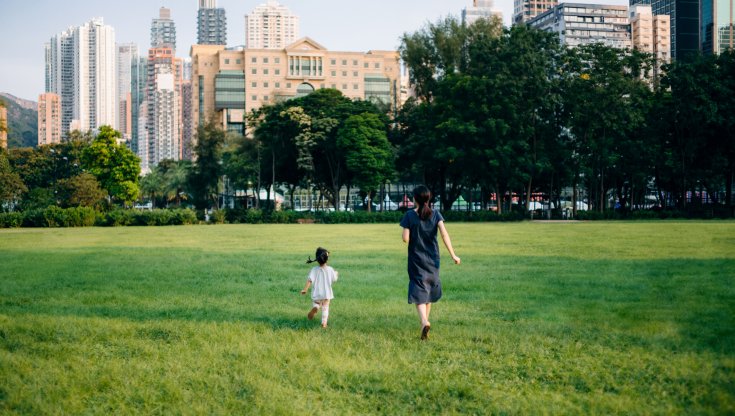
420	226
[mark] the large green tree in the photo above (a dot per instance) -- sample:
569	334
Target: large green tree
115	166
207	168
11	185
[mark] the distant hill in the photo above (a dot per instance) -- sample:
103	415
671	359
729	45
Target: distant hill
22	121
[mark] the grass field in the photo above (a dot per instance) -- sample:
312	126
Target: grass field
540	318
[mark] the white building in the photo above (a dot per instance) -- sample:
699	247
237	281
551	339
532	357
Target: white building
581	23
480	9
81	67
270	26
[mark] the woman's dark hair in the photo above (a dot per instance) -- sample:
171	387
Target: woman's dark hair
422	197
322	255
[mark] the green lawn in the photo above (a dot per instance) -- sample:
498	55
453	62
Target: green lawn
540	318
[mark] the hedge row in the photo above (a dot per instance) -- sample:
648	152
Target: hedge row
255	216
85	217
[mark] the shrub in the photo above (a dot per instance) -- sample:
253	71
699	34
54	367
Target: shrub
11	219
184	216
218	216
119	217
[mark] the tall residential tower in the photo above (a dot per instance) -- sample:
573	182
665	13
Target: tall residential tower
81	69
211	24
270	26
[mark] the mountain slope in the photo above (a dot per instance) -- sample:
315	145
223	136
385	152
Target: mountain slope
22	121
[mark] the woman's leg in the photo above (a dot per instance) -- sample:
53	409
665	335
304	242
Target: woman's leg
422	310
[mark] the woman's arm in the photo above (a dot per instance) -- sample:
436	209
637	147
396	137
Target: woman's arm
406	235
448	242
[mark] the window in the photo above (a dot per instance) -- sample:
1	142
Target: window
254	84
265	60
254	71
265	71
238	61
354	73
334	62
344	73
265	85
254	60
277	60
288	85
344	62
354	62
254	98
227	61
278	71
278	85
334	73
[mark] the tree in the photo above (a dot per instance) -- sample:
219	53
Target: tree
368	154
114	165
11	185
207	168
82	190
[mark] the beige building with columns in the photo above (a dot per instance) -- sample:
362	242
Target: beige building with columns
228	84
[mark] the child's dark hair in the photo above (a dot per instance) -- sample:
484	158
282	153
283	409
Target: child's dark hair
322	255
422	197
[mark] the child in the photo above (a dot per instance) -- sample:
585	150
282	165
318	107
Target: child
322	278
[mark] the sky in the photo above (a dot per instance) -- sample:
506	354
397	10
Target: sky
338	25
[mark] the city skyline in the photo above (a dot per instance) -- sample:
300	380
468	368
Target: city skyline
338	25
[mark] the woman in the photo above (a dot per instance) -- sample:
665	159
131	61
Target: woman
420	227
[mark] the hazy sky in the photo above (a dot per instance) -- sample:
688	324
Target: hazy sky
338	25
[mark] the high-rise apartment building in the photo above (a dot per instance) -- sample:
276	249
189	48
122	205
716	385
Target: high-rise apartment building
81	69
138	82
525	10
718	26
651	34
684	22
480	9
49	118
270	26
227	84
580	23
163	30
164	106
211	24
127	56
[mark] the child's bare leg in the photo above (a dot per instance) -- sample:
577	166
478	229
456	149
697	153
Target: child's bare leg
325	312
313	311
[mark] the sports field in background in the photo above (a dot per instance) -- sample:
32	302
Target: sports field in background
540	318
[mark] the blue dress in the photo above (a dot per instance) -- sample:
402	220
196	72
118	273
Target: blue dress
424	285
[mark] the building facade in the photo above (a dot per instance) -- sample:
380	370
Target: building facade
718	26
579	24
270	26
127	55
164	106
684	23
651	34
525	10
480	9
227	84
211	24
49	118
163	30
81	69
